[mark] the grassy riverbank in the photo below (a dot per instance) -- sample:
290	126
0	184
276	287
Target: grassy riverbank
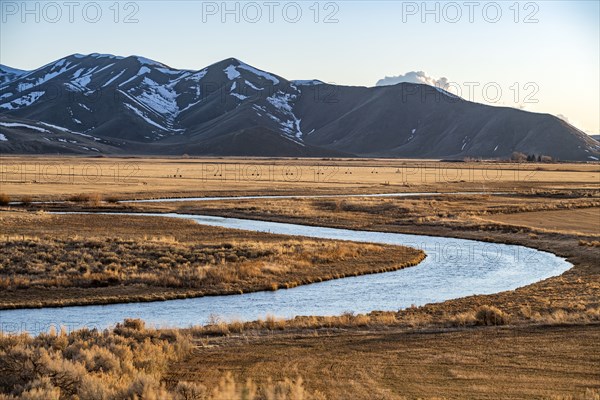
59	260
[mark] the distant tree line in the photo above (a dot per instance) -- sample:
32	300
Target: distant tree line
517	156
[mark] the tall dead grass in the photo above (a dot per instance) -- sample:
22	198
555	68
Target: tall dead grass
125	363
164	265
411	318
128	362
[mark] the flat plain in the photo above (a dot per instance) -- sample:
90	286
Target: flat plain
545	348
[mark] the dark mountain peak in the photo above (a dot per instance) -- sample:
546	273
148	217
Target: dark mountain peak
235	69
94	56
146	61
8	74
226	62
5	69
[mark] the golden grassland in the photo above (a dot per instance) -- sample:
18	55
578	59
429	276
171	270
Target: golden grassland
47	178
538	341
57	260
128	362
508	210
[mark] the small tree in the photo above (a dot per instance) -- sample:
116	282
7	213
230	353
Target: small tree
518	157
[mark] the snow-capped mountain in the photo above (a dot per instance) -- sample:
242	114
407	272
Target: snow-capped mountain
107	104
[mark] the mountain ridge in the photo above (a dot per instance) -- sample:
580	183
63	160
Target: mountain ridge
134	105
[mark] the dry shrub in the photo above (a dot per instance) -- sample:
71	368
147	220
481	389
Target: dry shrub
560	317
4	199
79	198
190	391
490	315
92	198
288	389
592	243
463	319
26	200
124	363
112	199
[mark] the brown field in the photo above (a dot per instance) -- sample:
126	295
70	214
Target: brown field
546	348
45	178
585	220
484	363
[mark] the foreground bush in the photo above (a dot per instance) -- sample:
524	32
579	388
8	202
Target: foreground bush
126	363
489	315
4	199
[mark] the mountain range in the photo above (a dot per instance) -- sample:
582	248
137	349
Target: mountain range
105	104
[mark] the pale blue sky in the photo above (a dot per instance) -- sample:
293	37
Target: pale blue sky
371	40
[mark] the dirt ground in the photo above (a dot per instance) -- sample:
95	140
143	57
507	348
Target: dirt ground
487	363
586	220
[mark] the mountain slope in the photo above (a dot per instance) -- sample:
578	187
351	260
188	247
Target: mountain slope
132	105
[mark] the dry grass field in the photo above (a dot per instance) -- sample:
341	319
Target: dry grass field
57	260
46	178
546	347
586	221
483	363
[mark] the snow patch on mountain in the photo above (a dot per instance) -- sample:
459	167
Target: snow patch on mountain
63	129
311	82
142	71
231	72
111	80
19	125
60	128
78	72
32	82
464	143
97	55
258	72
198	75
23	101
239	96
147	61
83	81
168	71
144	117
159	98
252	86
3	138
290	123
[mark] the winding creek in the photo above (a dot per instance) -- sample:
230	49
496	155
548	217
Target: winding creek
453	268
